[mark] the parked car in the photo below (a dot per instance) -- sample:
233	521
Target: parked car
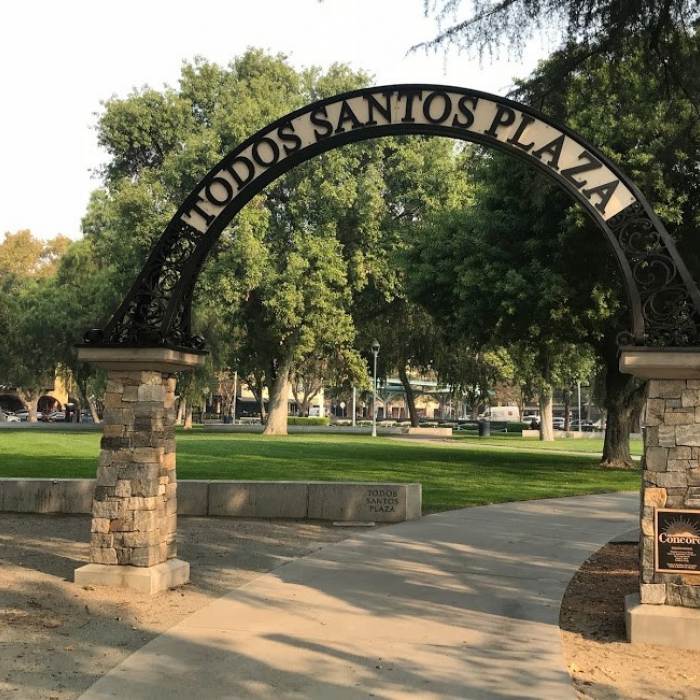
8	417
57	416
558	423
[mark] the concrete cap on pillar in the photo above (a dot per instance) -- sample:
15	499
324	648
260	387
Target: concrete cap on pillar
660	363
157	359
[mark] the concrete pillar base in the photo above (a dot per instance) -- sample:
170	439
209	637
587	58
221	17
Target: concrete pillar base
667	625
142	579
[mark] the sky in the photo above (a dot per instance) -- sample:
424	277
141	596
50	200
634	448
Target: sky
60	60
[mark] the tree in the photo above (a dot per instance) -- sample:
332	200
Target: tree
24	255
547	272
28	360
587	28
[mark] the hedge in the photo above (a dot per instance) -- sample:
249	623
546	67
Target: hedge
311	420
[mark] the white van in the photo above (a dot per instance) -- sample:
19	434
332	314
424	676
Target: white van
507	414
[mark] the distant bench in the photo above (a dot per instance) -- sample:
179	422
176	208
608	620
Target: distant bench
299	500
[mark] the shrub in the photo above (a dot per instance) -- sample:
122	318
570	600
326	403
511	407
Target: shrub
311	420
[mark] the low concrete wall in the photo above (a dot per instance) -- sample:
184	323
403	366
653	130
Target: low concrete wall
428	432
46	495
314	500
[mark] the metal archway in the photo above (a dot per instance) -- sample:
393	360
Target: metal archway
664	299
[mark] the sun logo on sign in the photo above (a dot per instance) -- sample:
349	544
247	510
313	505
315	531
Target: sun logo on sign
681	527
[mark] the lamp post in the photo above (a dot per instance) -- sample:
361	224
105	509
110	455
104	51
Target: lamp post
375	352
580	426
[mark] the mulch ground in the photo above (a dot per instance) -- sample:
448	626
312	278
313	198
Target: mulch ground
601	662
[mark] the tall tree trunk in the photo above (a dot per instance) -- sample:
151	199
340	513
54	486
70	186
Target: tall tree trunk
82	388
589	402
624	397
188	417
256	384
567	411
278	406
29	399
181	408
410	396
261	407
546	414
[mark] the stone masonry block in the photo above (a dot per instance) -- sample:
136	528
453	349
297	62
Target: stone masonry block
646	556
678	465
692	499
114	386
152	393
653	593
679	418
681	453
114	416
654	411
668	479
690	398
141	539
100	525
655	458
666	388
107	476
103	555
99	539
148	454
647	522
148	556
676	497
694	477
651	436
154	378
131	393
683	595
666	435
113	399
108	509
146	487
688	435
654	497
109	431
146	520
140	470
143	502
123	488
123	524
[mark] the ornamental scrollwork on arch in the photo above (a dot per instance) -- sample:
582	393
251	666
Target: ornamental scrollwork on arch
670	316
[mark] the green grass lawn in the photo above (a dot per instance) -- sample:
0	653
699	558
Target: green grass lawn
452	477
591	445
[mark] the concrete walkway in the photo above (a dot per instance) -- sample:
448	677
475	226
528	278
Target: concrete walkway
463	604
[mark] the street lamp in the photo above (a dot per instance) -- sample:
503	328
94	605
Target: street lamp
375	352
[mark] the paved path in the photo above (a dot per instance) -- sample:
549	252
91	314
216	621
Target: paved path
463	604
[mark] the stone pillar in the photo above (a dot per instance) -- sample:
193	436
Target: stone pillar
134	514
671	479
667	609
135	506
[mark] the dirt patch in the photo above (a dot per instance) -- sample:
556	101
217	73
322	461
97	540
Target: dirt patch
601	662
56	638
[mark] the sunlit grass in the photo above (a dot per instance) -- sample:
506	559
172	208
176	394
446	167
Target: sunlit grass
452	476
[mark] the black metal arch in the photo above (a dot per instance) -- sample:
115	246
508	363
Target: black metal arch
664	299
